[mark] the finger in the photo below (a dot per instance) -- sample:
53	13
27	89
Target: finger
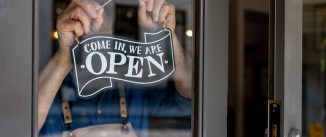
149	5
90	6
170	17
142	15
171	12
156	9
70	7
162	15
71	26
97	22
81	15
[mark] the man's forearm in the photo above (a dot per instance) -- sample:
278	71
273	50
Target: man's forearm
50	80
183	74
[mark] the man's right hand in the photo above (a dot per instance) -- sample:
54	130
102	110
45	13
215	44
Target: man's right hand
79	18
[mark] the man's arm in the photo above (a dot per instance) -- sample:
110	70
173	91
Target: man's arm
152	15
79	18
50	80
183	74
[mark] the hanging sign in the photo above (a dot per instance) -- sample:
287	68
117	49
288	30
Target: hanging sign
99	60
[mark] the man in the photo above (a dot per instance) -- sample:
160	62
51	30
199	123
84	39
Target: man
86	17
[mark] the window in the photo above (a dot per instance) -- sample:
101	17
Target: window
116	70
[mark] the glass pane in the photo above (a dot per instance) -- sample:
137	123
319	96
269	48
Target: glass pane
248	92
314	13
115	68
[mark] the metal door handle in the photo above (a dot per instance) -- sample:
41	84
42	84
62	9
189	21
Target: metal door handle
294	133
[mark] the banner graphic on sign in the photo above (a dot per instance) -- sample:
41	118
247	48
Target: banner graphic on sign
99	60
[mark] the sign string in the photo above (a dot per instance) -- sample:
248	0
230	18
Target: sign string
102	6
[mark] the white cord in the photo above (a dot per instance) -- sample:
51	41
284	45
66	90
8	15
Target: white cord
102	6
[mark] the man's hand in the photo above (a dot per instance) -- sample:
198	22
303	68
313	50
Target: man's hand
79	18
152	14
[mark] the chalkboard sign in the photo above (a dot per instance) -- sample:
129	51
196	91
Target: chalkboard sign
100	59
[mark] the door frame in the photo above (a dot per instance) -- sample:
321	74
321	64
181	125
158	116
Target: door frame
16	71
288	63
211	69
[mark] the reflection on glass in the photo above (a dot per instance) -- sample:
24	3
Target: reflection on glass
314	51
126	109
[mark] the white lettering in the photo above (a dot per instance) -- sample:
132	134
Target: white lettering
85	47
155	63
132	49
93	46
89	65
100	45
113	63
134	66
159	48
148	51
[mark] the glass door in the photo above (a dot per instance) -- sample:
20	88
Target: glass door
265	58
146	68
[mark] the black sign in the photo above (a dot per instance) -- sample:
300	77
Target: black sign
100	59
